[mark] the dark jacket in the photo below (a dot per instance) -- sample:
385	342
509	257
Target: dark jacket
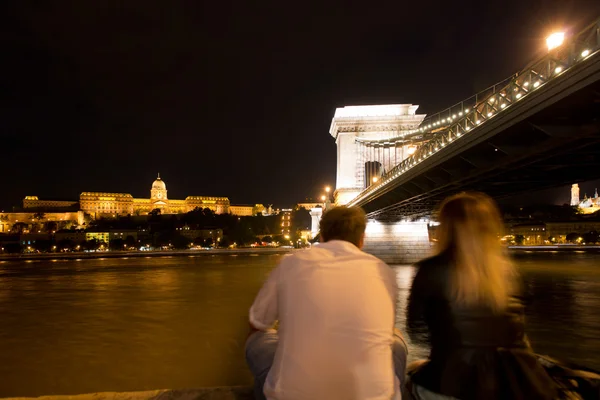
475	353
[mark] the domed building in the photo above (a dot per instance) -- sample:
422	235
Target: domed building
100	204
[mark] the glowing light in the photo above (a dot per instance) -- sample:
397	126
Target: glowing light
453	116
526	84
460	114
489	114
492	100
327	189
467	128
323	197
519	95
555	40
558	70
536	84
466	110
478	122
585	53
375	179
444	120
502	105
411	150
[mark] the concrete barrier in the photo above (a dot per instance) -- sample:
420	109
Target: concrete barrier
216	393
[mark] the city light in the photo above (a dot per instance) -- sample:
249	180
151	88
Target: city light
558	70
323	197
585	53
555	40
375	179
327	189
411	150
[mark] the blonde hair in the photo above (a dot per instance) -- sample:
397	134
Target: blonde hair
470	225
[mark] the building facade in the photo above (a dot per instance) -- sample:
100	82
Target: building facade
30	202
588	205
105	204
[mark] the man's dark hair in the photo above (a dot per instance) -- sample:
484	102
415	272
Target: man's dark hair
343	223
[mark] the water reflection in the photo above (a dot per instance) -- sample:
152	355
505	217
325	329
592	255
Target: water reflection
137	324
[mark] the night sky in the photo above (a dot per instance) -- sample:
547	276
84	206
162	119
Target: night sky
234	98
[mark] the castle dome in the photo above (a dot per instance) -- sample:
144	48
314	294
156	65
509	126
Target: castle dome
159	184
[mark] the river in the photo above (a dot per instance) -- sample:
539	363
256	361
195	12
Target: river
69	326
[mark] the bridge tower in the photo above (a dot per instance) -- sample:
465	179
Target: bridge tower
364	148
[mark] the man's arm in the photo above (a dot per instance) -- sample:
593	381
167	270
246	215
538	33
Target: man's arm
265	309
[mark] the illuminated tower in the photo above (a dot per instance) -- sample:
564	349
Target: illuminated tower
575	194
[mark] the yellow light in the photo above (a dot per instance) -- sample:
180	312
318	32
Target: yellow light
502	105
536	84
558	70
555	40
323	198
375	179
585	53
411	150
327	189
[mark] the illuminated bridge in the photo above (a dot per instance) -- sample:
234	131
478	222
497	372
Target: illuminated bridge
537	129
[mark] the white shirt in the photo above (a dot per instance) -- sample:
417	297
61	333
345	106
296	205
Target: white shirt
336	309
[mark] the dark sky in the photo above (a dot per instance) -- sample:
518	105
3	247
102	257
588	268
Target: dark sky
233	98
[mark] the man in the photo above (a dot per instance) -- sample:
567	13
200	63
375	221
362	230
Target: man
336	308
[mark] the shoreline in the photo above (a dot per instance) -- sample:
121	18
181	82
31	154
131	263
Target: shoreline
555	248
144	254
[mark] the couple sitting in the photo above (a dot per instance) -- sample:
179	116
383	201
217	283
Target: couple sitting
336	308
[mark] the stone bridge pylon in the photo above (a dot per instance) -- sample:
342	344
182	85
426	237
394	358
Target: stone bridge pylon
370	141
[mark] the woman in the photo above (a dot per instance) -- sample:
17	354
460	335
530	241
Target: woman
467	299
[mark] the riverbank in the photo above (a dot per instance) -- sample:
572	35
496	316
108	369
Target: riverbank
555	248
217	393
142	254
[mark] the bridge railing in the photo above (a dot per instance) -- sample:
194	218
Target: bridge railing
466	116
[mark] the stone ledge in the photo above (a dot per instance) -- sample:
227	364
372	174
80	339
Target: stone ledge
215	393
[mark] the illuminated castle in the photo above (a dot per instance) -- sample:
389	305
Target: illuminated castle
588	205
99	204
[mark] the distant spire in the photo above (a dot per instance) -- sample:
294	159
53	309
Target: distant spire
158	176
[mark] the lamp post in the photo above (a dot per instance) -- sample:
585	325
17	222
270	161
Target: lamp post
326	198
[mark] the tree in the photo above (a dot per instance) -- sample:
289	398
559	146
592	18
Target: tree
180	241
519	239
130	241
66	244
590	237
19	227
573	237
116	244
42	245
38	216
225	242
12	248
51	226
208	242
91	245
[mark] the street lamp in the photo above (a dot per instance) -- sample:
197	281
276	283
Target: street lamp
327	189
555	40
